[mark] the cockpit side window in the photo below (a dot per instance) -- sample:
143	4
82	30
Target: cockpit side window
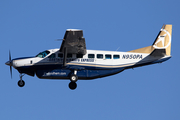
52	56
43	54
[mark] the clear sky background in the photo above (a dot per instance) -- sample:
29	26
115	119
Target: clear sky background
145	93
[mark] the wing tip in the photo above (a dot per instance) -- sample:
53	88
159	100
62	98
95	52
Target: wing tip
73	30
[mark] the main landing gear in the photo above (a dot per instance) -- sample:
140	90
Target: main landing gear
73	78
21	82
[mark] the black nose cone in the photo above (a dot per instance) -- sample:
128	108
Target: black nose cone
9	63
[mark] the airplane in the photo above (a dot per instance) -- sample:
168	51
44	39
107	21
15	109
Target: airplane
74	62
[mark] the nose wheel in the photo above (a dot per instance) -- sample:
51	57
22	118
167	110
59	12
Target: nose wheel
21	82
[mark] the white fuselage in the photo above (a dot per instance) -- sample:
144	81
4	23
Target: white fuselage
96	58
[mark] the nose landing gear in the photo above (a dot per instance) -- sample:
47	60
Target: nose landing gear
21	82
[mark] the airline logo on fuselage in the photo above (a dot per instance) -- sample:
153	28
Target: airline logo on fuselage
72	59
54	73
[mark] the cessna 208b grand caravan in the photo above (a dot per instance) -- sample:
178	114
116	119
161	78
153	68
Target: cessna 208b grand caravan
72	61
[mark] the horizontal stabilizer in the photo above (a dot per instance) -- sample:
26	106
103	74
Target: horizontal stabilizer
158	52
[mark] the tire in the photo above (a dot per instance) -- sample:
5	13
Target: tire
72	85
21	83
73	78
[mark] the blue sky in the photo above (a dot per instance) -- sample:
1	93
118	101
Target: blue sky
145	93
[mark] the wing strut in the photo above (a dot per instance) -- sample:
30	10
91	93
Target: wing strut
65	57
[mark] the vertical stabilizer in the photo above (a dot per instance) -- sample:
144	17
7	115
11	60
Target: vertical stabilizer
163	40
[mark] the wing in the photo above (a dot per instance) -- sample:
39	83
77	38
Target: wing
73	42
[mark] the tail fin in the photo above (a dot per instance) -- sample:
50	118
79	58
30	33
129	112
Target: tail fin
161	45
163	40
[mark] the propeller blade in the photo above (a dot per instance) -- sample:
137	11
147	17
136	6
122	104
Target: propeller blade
11	63
9	55
11	71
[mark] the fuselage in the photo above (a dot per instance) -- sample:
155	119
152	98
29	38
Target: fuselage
94	64
73	61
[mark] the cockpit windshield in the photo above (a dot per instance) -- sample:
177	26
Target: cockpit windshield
43	54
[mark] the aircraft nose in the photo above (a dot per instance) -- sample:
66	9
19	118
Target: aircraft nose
9	63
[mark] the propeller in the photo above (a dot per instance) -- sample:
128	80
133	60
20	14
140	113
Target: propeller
10	63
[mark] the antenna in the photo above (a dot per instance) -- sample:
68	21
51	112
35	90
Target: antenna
117	48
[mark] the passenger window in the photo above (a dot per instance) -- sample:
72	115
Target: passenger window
79	55
90	55
60	55
100	56
107	56
115	56
52	56
69	55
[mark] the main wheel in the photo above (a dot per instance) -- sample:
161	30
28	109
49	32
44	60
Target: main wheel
73	78
21	83
72	85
